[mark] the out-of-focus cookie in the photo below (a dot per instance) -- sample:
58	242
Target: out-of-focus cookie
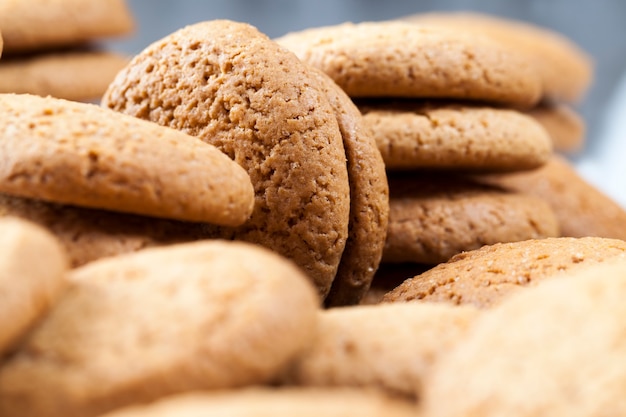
389	346
565	127
41	24
486	276
81	154
72	75
400	59
134	328
553	350
32	276
233	87
418	135
433	217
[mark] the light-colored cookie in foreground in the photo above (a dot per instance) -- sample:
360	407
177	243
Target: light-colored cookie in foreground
82	154
399	59
32	276
41	24
411	134
554	350
581	208
566	127
72	75
486	276
231	86
369	200
272	402
134	328
389	346
433	217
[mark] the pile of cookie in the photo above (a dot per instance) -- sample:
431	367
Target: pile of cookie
52	47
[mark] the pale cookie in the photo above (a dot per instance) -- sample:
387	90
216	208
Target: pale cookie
399	59
233	87
389	346
413	135
565	127
565	69
432	217
486	276
38	24
72	75
85	155
272	402
554	350
580	207
32	276
162	321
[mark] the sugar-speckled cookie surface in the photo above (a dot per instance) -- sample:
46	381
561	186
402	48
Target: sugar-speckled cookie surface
418	135
134	328
233	87
399	59
484	277
32	276
433	217
82	154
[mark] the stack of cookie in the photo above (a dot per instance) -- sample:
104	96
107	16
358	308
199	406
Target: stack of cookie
50	47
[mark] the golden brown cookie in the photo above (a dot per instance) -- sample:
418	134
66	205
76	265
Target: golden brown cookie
553	350
399	59
565	127
413	134
134	328
32	276
85	155
486	276
435	216
233	87
388	276
72	75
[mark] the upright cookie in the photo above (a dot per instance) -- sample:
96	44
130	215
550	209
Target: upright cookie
162	321
415	135
85	155
233	87
32	276
565	127
399	59
486	276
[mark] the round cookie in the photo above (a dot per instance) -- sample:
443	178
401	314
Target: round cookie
565	127
233	87
32	276
399	59
486	276
134	328
413	135
434	217
553	350
81	154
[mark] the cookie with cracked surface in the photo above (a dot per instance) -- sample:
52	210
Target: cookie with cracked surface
231	86
32	276
85	155
486	276
105	349
399	59
412	134
434	217
564	125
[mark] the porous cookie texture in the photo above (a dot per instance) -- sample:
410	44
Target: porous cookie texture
282	402
81	154
563	343
412	134
72	75
39	24
233	87
369	200
389	346
486	276
399	59
134	328
32	276
565	127
433	217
